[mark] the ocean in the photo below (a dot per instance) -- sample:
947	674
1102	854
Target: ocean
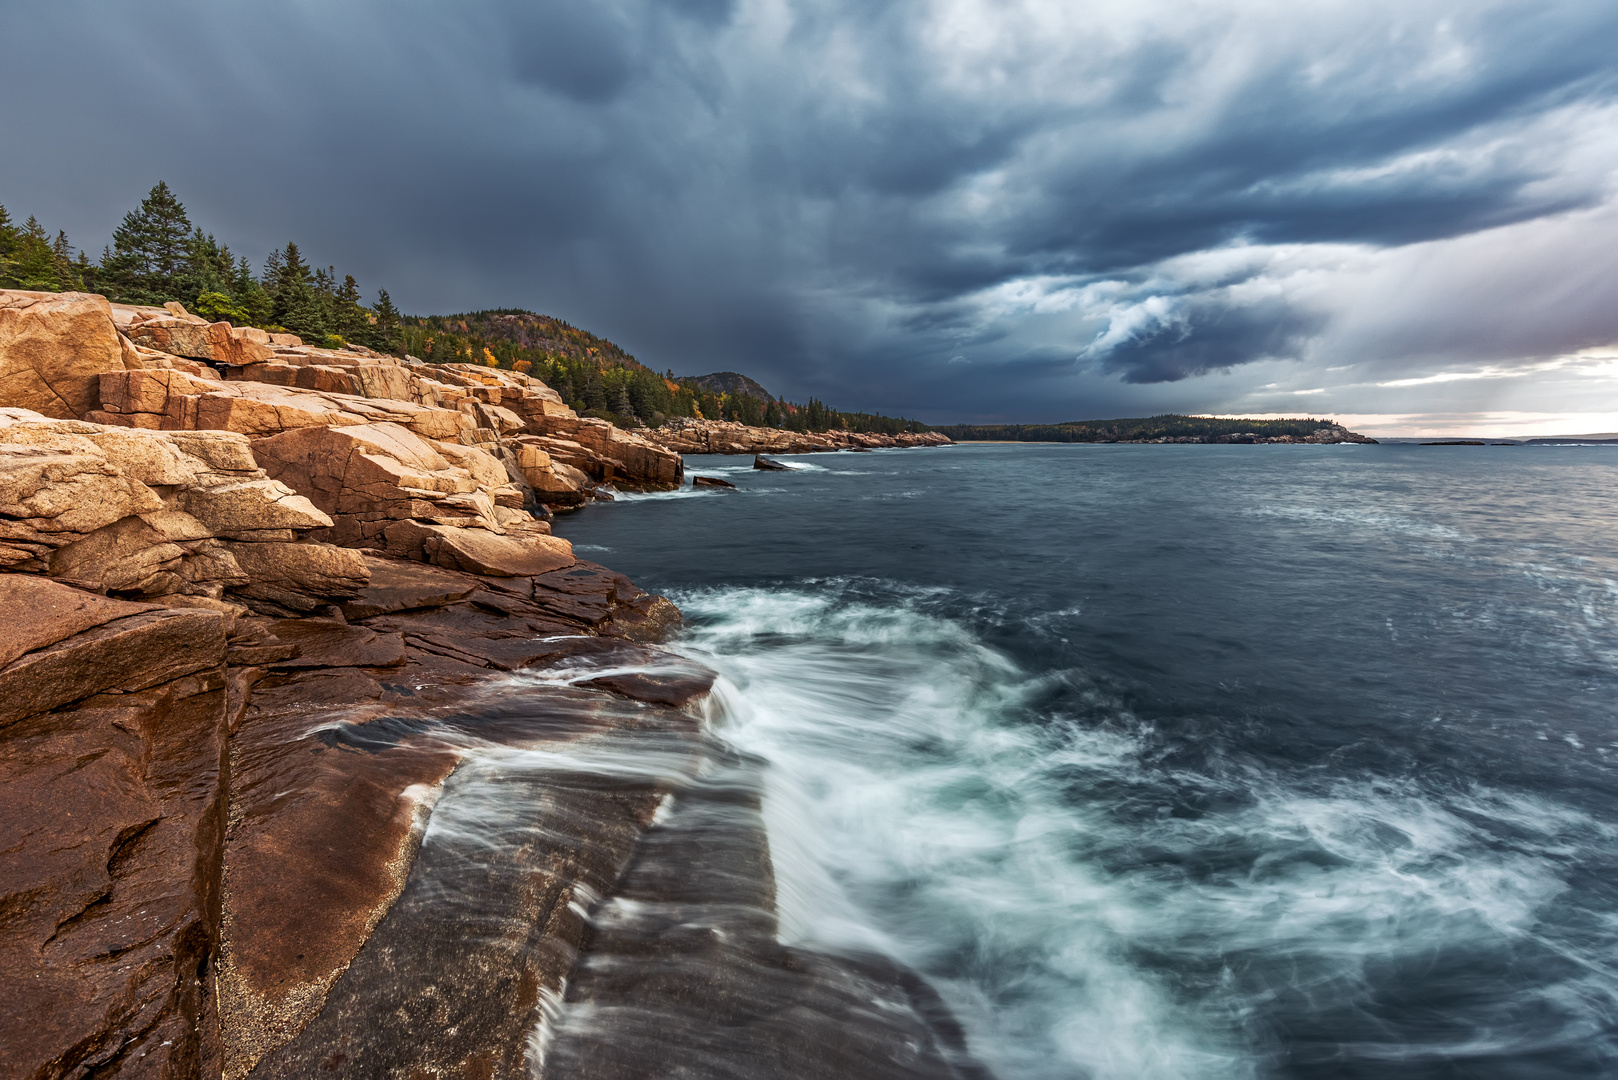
1181	761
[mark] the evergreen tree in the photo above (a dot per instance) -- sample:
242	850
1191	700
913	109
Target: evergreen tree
298	306
35	266
250	295
271	278
85	271
10	239
209	268
150	251
621	403
385	334
353	322
63	267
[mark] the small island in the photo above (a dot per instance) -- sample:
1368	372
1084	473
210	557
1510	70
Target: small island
1168	428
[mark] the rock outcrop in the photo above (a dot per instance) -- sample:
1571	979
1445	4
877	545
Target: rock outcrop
221	737
53	349
176	515
271	610
112	753
216	544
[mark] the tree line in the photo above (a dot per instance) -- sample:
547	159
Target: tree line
158	255
1140	429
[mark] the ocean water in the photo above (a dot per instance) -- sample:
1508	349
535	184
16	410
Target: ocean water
1181	761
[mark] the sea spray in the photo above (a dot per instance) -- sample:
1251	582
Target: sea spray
1086	903
1283	761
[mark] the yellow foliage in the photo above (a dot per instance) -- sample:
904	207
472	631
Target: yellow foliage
489	359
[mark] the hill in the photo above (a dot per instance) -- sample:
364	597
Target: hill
730	382
508	334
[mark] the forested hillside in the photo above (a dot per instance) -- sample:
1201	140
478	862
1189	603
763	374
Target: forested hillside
598	378
158	255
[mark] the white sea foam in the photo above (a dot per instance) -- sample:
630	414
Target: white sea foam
916	806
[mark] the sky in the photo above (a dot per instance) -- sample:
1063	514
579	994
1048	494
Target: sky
1399	213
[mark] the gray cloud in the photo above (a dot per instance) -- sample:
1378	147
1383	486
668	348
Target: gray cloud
969	209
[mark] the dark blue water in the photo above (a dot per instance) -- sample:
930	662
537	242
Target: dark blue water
1183	761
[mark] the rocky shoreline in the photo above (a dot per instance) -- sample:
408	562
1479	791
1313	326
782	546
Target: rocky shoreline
687	436
279	621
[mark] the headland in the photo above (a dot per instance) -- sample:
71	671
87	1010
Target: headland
275	613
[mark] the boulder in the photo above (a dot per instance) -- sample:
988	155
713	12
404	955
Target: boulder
475	551
53	348
250	506
127	556
217	343
289	578
323	644
41	612
52	496
711	482
369	476
762	462
553	482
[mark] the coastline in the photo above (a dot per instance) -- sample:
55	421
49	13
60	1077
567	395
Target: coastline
275	602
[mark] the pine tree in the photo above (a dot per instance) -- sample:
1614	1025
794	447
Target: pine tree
208	268
353	322
34	265
298	306
150	251
63	268
385	333
10	238
250	295
85	271
621	403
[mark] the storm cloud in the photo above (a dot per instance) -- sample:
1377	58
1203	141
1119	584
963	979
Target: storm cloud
964	209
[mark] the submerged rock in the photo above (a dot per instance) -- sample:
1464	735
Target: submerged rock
711	482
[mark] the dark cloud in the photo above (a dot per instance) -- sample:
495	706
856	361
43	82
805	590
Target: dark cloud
577	50
1208	336
838	196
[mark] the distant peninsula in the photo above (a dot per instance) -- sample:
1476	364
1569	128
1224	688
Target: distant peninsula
1168	428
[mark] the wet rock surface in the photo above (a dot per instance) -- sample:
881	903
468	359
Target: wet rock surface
318	748
682	974
539	818
112	757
